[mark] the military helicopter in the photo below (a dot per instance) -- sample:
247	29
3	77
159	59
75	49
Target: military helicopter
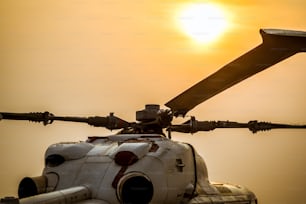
141	163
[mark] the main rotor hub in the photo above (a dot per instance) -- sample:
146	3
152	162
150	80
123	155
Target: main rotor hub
150	113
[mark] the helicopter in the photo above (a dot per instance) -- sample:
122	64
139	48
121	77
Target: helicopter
141	163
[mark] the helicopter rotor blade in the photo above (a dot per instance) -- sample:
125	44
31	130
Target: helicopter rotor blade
193	126
110	122
277	45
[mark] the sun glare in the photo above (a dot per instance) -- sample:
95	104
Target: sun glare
202	22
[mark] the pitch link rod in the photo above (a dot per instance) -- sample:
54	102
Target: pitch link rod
110	122
193	126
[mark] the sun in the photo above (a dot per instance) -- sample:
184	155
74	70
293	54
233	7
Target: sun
202	22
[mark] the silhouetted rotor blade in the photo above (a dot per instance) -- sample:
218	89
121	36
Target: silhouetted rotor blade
193	126
45	117
277	45
110	122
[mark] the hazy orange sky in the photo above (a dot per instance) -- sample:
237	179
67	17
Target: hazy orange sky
94	57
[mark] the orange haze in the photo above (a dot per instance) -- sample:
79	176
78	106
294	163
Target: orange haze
78	57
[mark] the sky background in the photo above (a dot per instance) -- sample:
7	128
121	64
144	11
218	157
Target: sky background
84	58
